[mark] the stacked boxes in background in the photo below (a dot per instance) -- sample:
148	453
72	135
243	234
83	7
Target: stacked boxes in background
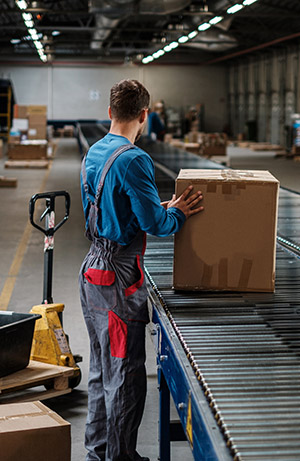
27	140
229	246
37	122
213	144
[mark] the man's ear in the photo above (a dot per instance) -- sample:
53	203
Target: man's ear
143	115
109	112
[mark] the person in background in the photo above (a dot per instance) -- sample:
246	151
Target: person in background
156	124
121	204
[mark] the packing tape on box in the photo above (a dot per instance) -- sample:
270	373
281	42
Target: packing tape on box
235	174
245	273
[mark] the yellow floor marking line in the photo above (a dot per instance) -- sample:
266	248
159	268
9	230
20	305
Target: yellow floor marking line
11	278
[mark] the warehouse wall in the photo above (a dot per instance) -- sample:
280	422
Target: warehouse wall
264	93
82	92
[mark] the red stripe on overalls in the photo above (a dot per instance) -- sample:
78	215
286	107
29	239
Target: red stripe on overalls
133	288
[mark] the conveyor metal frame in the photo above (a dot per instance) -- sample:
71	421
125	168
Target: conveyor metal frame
176	377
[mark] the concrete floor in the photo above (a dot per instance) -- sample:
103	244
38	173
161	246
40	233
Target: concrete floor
21	283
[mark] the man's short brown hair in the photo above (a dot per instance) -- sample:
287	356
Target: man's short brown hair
127	100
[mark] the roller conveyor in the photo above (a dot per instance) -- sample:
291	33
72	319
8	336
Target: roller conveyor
231	361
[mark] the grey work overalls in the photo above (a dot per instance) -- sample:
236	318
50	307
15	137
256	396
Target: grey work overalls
114	301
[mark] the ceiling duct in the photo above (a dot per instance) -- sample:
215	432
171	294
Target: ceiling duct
104	26
213	40
115	9
108	13
162	6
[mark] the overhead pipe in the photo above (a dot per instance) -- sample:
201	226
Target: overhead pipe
253	48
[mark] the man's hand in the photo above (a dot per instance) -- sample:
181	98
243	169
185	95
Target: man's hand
186	203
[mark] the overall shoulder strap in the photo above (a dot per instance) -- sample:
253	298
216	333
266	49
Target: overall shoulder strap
94	206
107	167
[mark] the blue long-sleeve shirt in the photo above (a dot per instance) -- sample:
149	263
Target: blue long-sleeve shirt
130	199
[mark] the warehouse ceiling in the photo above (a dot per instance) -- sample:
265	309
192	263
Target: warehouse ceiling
128	31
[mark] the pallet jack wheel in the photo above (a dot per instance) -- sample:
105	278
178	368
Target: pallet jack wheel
75	380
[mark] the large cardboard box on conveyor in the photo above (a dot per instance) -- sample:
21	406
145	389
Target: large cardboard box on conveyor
231	244
31	431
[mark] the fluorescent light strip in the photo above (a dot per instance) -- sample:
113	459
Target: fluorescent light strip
21	4
215	20
204	26
248	2
167	48
29	23
235	8
27	16
147	59
193	34
183	39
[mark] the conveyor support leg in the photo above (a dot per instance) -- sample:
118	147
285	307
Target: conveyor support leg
164	419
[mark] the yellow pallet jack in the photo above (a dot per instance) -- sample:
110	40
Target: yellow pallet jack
50	344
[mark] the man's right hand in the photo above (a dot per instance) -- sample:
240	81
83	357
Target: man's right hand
187	203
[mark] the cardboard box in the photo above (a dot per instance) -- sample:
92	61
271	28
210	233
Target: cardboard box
231	244
37	132
37	110
20	111
14	138
214	150
31	431
28	150
37	119
20	124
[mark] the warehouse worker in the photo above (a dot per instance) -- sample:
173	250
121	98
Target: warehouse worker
156	125
121	203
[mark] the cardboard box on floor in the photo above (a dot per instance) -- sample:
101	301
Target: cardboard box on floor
37	132
31	431
28	150
231	244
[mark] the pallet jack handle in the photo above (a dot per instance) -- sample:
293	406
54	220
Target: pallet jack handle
49	231
50	203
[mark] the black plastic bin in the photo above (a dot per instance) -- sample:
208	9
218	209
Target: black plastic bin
16	333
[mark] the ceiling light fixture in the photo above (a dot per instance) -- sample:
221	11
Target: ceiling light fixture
193	34
167	48
27	16
173	45
235	8
204	26
33	33
183	39
215	20
29	24
55	33
147	59
248	2
158	54
21	4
